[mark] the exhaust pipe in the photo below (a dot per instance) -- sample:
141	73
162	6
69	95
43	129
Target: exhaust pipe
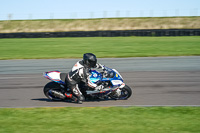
58	94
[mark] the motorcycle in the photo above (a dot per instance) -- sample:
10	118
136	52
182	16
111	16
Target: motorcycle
114	87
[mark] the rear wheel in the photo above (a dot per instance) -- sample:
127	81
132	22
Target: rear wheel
49	90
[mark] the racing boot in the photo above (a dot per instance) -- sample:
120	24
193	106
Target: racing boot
70	96
78	100
81	98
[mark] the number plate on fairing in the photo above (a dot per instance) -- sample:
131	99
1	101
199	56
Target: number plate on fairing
116	82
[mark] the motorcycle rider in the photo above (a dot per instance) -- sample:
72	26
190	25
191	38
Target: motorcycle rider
80	72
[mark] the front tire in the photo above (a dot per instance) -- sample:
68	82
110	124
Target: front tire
126	92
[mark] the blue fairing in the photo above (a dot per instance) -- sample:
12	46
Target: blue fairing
95	76
113	75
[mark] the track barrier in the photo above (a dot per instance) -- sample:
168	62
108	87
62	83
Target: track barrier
117	33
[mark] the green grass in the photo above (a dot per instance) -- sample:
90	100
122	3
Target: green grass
101	120
44	48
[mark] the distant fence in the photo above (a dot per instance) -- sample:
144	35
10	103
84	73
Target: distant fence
102	14
155	32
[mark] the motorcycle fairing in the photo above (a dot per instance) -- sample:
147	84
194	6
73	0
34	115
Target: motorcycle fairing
108	90
104	91
116	82
116	78
54	76
117	75
95	76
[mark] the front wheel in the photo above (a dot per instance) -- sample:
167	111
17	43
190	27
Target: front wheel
126	92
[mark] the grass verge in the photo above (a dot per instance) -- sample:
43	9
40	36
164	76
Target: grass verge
101	120
56	25
44	48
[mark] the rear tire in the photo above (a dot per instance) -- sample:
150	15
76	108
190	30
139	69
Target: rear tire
49	87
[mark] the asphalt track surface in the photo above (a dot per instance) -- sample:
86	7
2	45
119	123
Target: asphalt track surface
156	81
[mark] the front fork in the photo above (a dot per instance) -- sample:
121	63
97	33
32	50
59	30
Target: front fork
118	90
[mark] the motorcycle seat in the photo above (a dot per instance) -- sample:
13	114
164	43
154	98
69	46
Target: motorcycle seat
63	76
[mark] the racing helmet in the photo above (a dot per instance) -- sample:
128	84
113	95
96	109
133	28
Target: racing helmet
89	60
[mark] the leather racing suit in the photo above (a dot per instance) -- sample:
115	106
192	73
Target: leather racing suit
79	73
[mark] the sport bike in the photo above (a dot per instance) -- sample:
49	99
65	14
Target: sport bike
110	79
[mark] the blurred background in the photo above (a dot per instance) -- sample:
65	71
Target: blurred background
88	15
102	14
